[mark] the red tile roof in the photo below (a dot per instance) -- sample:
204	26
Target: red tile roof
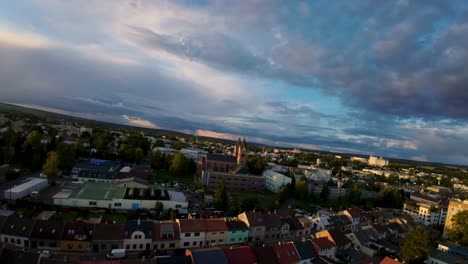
255	218
388	260
354	213
322	243
240	255
191	225
215	224
286	253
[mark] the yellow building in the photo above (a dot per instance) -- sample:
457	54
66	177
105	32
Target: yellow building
77	237
455	206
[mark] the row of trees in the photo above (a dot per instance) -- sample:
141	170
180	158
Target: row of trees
177	164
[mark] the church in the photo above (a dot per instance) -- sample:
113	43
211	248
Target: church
233	169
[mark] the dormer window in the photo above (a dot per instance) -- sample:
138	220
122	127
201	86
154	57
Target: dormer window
40	229
53	231
12	226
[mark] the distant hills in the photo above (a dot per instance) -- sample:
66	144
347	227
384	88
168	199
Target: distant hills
9	108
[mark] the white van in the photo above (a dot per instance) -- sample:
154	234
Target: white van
116	254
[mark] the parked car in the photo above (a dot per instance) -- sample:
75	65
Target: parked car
118	253
45	254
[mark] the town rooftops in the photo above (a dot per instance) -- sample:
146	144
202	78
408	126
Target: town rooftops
98	165
144	226
266	255
388	260
240	255
293	222
305	250
48	229
207	255
78	231
255	218
286	253
272	220
18	226
216	224
165	231
236	225
354	213
338	237
191	225
107	232
174	260
322	243
222	158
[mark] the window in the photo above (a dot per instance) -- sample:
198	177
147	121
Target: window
6	239
232	239
80	246
213	241
186	244
194	243
163	245
128	246
197	234
221	233
18	241
172	245
134	246
53	244
188	234
92	203
117	204
141	246
220	241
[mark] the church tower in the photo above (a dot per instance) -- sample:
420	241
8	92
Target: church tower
241	153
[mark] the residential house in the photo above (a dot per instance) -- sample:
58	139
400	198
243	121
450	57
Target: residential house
192	232
216	232
292	230
17	231
240	255
274	227
207	255
305	250
77	237
337	237
306	224
165	235
238	232
138	235
361	241
265	255
108	237
354	256
354	216
256	224
286	253
46	234
324	247
321	223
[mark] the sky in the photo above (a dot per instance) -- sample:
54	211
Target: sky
387	78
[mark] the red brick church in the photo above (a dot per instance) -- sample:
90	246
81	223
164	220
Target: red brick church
214	167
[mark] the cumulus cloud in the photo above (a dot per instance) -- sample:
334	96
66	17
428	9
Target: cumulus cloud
385	78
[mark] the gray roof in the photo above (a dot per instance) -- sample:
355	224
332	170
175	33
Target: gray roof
208	255
447	257
144	226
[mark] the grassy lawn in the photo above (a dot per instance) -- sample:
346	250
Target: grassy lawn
118	218
264	199
163	176
67	217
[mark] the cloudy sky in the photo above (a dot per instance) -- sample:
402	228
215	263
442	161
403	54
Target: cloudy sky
372	77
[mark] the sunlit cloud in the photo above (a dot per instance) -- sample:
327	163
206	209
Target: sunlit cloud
139	122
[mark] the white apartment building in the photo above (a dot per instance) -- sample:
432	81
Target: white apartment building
426	213
377	161
274	180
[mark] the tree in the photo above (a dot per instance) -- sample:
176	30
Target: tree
459	231
157	160
159	206
178	145
51	166
416	246
178	164
324	193
302	192
66	156
159	143
249	204
221	199
256	165
139	155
